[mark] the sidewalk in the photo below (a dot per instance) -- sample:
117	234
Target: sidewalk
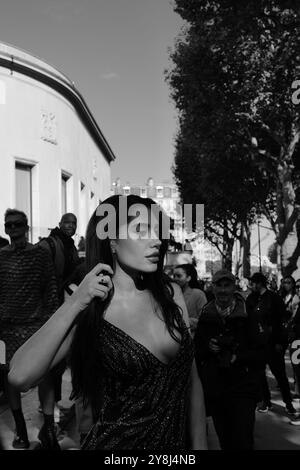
272	430
67	435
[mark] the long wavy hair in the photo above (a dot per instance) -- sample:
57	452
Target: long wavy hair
85	359
284	292
191	271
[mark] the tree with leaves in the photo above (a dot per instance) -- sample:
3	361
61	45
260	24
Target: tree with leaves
233	69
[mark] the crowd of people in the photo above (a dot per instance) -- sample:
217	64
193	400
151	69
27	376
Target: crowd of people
151	355
32	283
272	319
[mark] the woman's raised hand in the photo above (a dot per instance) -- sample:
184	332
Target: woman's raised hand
94	284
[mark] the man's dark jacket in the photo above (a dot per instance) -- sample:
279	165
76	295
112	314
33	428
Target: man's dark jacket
270	310
64	255
240	335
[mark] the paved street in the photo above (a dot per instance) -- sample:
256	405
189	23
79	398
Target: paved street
272	431
68	438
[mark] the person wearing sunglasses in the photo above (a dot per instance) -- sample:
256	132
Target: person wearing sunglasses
28	297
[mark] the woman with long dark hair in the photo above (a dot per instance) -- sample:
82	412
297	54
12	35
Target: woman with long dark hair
126	330
289	296
186	277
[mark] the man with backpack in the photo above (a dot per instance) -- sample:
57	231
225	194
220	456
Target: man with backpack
61	246
65	258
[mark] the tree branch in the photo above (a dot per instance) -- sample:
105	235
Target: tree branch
215	244
264	126
288	226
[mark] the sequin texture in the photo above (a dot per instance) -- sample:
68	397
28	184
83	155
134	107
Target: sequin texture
144	401
28	294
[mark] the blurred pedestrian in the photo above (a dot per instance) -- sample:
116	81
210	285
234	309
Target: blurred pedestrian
81	244
230	357
186	277
271	311
272	285
60	245
208	290
244	287
294	337
289	296
28	297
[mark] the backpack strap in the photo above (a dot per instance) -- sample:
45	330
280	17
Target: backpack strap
52	246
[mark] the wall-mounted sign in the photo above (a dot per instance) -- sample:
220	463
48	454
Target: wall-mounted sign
49	127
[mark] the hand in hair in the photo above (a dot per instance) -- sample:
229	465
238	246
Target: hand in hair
95	284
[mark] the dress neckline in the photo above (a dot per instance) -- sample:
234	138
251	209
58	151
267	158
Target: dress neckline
144	348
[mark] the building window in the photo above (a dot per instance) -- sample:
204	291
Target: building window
175	192
64	197
24	191
136	191
143	192
126	190
83	209
159	191
167	191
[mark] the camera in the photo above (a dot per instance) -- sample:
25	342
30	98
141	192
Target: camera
225	341
228	346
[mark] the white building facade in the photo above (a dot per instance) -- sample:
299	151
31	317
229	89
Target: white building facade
54	158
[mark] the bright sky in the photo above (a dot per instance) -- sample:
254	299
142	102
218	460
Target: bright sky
116	52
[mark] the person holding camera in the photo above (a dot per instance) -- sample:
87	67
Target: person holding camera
230	357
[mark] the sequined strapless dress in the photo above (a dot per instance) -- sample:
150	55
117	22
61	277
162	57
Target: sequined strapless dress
144	401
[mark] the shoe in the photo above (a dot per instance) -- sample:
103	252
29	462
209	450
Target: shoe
56	414
82	438
48	439
290	410
264	407
20	442
296	420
